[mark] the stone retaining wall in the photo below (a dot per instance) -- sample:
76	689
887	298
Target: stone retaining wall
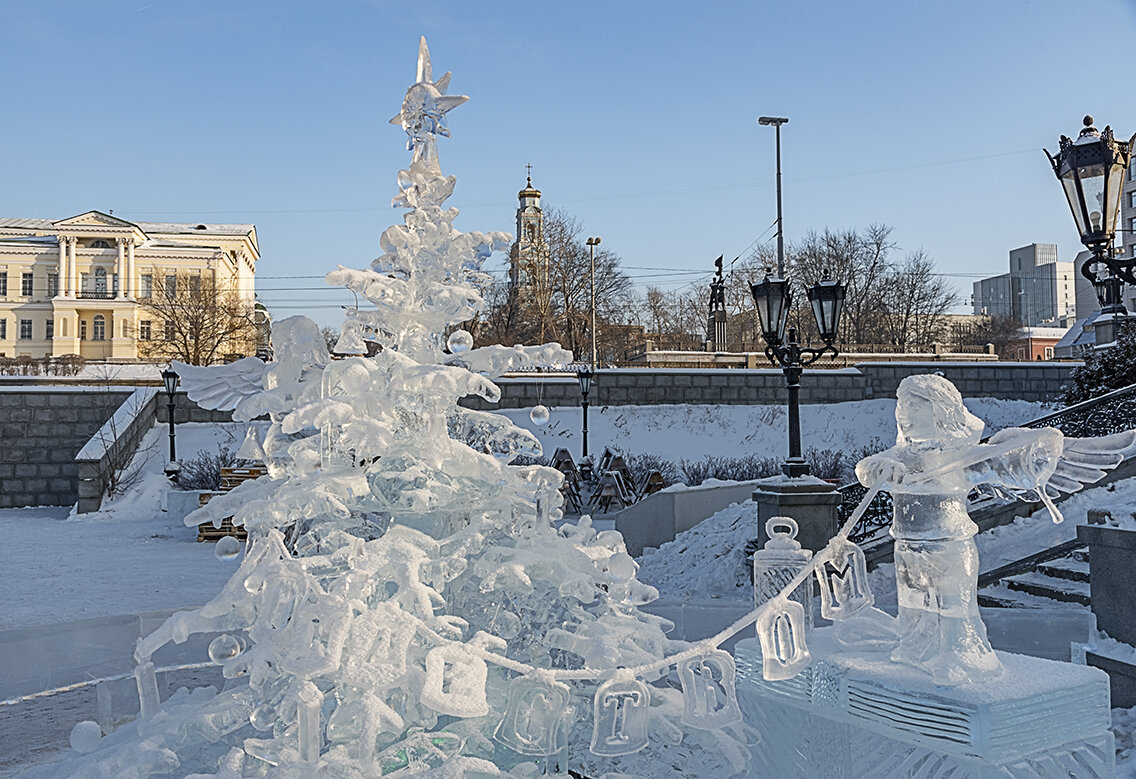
41	431
1038	381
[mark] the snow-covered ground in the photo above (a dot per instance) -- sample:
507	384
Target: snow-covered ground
693	432
128	557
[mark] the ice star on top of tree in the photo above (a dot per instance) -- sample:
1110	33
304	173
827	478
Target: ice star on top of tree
424	108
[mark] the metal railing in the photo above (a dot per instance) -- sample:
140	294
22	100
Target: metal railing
1108	414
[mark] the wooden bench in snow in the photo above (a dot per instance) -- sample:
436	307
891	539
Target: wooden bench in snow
230	478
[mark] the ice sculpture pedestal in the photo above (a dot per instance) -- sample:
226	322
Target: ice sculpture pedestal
856	714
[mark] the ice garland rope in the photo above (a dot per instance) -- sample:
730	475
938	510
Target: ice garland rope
701	647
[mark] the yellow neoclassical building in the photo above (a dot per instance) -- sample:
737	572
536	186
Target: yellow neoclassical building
74	286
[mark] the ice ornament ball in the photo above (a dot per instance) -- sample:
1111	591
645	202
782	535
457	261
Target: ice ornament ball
227	548
539	415
459	342
85	736
404	604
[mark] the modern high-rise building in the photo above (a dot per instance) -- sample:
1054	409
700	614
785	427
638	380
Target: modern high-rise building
1038	290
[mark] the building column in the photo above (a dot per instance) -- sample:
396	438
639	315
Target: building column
62	267
72	246
120	268
132	290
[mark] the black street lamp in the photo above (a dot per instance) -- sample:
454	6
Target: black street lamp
774	299
170	380
1091	171
584	376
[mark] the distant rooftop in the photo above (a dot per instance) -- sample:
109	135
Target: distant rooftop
168	228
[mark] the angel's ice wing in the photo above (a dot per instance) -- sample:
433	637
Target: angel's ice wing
1086	460
221	387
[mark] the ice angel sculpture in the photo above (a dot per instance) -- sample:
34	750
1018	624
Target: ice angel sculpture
936	461
405	605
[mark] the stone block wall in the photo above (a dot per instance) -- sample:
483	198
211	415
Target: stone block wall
1040	381
185	410
643	387
41	431
1034	381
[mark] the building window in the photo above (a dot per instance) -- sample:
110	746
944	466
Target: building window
100	282
144	330
26	282
52	285
171	285
25	329
99	328
50	332
3	282
3	329
195	285
169	330
82	329
100	244
85	283
147	285
125	328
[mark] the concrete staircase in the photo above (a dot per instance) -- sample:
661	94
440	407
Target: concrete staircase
1046	580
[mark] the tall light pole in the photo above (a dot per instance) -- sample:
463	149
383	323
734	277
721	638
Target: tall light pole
592	244
777	121
170	382
584	376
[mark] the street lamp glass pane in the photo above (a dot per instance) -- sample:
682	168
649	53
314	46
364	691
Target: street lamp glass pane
585	379
772	299
1113	194
827	299
1092	185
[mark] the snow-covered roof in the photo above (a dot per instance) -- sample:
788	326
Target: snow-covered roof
1080	334
1044	332
175	228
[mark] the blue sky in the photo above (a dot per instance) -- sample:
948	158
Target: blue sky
638	118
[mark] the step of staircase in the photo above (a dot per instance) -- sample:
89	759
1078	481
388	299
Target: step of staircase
1001	596
1068	568
1059	589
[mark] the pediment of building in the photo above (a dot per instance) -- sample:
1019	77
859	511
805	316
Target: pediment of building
94	219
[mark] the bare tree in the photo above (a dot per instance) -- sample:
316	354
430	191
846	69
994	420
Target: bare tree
510	317
194	319
914	302
1001	331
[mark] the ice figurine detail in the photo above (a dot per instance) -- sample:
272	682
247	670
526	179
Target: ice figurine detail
778	561
533	716
708	693
937	459
620	711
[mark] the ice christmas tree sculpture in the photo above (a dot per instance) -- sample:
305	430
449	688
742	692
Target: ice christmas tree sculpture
404	604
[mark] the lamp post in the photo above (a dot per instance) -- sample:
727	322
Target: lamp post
777	121
774	299
1091	171
170	380
584	376
592	244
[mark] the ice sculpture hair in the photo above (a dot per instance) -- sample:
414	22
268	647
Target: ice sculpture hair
929	407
